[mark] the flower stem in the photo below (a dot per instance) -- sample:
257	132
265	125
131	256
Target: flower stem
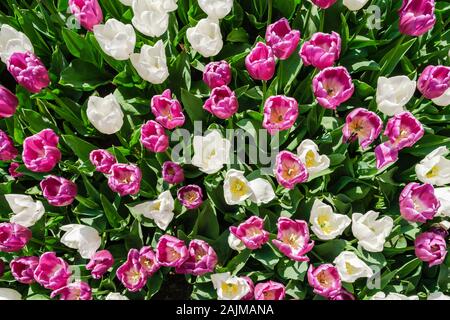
264	90
269	12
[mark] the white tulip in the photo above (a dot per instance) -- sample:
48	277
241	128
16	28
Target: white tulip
443	100
434	168
150	17
308	153
116	39
127	2
351	268
235	243
211	152
394	93
83	238
26	211
355	5
160	210
9	294
438	296
151	63
206	37
443	195
370	232
392	296
229	287
115	296
262	191
325	223
105	114
12	41
235	187
216	8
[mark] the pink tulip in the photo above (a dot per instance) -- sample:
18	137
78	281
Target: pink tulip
28	71
13	237
434	81
52	272
431	247
8	103
290	170
40	151
22	269
148	261
280	113
202	259
251	232
168	111
417	17
418	202
322	50
363	125
251	293
132	275
323	4
7	150
341	295
324	279
260	63
270	290
153	137
293	239
78	290
12	170
87	12
385	154
332	87
102	160
190	196
217	74
171	251
58	191
100	263
172	172
125	179
222	103
282	39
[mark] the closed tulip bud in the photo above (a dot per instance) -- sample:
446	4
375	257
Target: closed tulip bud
22	269
206	37
290	170
149	17
394	93
190	196
100	263
323	4
417	17
153	137
270	290
202	259
131	273
434	81
324	279
13	237
282	39
8	103
293	239
168	111
148	261
280	113
217	74
28	71
151	63
172	172
52	272
7	150
171	251
78	290
125	179
116	39
105	114
431	247
322	50
332	87
222	103
418	202
251	232
216	8
363	125
260	62
12	41
87	12
40	152
102	160
58	191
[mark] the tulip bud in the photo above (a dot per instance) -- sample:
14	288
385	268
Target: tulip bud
418	202
40	152
260	62
290	170
190	196
282	39
22	269
105	114
332	87
116	39
206	37
153	137
168	111
322	50
222	103
26	211
434	81
324	279
8	103
417	17
171	251
28	71
125	179
7	150
217	74
293	239
58	191
270	290
217	9
87	12
280	113
363	125
151	63
431	247
13	237
102	160
52	272
100	263
394	93
202	259
172	172
78	290
251	232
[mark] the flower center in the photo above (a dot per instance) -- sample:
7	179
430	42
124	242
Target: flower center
238	187
310	159
434	172
230	289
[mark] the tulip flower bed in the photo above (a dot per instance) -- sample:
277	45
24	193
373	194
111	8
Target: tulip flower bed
235	150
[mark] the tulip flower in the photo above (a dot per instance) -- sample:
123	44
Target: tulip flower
153	137
9	294
217	74
58	191
332	87
22	269
116	39
211	152
206	37
363	125
116	295
132	275
434	81
251	232
171	251
351	268
28	71
26	211
251	293
222	103
293	239
125	179
40	152
13	237
105	114
102	160
322	50
235	243
87	12
12	41
217	9
324	279
280	113
326	224
261	191
443	100
52	272
202	259
159	210
100	263
417	17
435	168
260	62
370	231
7	150
431	247
150	18
418	202
394	93
270	290
282	39
148	261
78	290
236	187
355	5
341	295
12	170
172	172
168	111
83	238
308	152
323	4
443	196
289	170
8	103
230	287
190	196
151	63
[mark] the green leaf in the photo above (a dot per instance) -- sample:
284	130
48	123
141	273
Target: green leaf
83	76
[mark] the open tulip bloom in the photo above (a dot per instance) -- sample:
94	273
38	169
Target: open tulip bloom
224	149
